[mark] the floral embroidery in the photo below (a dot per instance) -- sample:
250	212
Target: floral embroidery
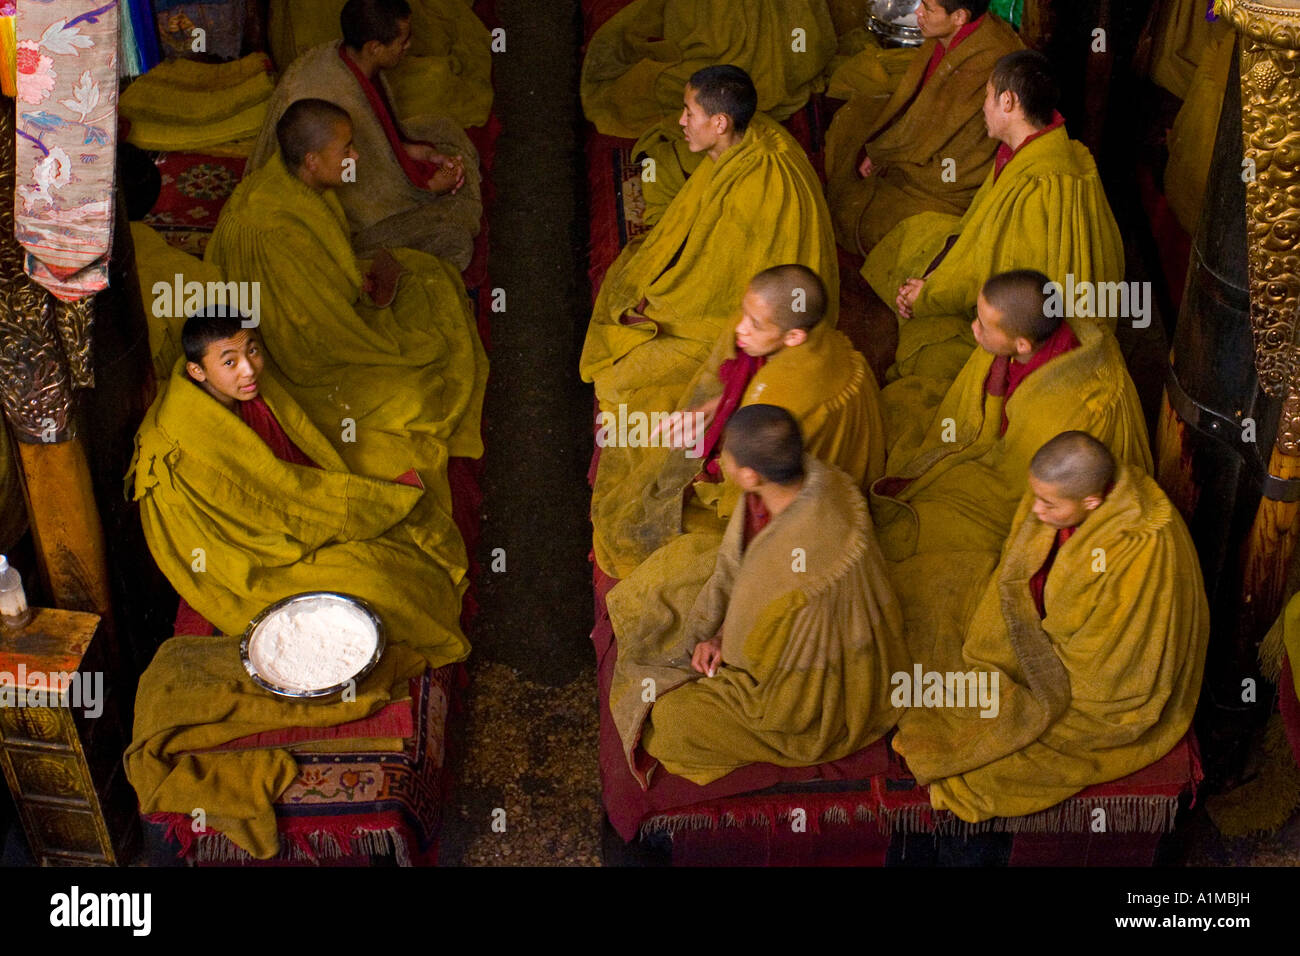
36	76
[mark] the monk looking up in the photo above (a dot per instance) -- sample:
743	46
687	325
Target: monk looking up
229	469
755	202
416	188
384	357
1042	206
928	149
1095	625
780	663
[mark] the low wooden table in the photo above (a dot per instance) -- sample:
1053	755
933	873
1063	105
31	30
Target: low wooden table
62	739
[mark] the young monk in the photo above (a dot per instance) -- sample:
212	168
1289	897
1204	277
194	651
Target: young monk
1095	624
387	362
1041	207
755	202
415	187
782	661
244	502
780	353
928	149
950	493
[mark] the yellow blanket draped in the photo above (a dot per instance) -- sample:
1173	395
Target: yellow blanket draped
235	529
1104	685
759	205
808	648
157	264
401	386
1191	141
384	208
1047	211
13	507
638	62
446	72
185	105
641	494
929	144
195	695
1179	42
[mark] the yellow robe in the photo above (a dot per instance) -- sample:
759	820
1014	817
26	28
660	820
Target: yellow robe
157	264
235	529
446	72
638	62
913	139
1191	141
1047	211
808	652
759	205
394	388
1181	36
1104	685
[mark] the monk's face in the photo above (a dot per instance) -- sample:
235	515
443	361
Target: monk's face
758	333
701	130
989	333
388	55
231	368
1056	509
746	478
328	164
998	110
936	23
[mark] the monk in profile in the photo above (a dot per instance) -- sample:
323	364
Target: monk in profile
928	149
1095	626
755	202
414	185
1041	207
782	661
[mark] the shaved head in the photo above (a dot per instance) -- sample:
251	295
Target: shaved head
307	126
1076	464
796	294
766	438
1021	298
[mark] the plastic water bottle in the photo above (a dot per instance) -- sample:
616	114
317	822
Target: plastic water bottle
14	612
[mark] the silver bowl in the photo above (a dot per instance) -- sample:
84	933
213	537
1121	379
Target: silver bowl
894	22
317	693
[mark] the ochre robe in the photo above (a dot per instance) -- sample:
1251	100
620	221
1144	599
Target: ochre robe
157	264
808	648
384	208
637	64
1046	211
759	205
1191	141
401	387
1179	41
911	141
235	529
447	71
1103	685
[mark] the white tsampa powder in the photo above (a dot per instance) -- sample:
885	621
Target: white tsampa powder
312	644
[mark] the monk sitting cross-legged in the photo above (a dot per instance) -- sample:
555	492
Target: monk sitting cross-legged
387	362
787	655
244	502
928	149
415	185
1091	636
1041	207
754	202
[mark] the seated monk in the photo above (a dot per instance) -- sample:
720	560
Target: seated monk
948	497
783	662
1042	207
414	185
780	353
754	203
245	502
387	363
883	165
1090	637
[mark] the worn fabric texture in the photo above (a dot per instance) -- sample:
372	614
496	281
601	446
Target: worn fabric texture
407	379
195	696
637	64
235	529
384	208
1104	685
1047	211
759	205
1191	141
808	647
1180	37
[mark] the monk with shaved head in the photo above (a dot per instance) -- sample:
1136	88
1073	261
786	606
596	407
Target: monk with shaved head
1091	634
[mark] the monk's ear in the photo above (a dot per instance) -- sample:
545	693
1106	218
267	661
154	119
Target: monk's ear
1008	101
1092	502
748	478
195	371
794	338
722	124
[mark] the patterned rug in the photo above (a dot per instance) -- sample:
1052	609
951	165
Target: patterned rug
195	187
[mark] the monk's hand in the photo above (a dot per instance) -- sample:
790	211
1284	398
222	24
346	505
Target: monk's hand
450	176
421	152
380	282
907	295
707	657
866	168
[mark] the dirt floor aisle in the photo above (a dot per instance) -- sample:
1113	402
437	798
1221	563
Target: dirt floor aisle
527	742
